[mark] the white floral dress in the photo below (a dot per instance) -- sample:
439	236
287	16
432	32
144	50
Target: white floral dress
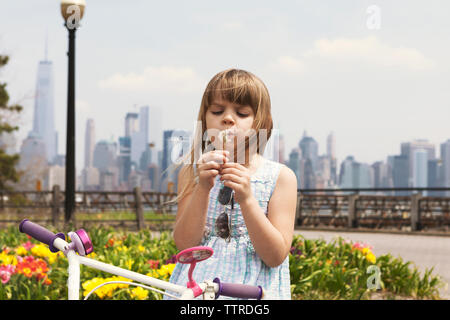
235	260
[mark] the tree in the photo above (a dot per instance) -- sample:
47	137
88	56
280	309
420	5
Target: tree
8	162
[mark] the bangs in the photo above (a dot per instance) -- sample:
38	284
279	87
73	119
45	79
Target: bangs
236	87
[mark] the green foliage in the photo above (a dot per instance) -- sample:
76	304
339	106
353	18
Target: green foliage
318	270
8	163
339	270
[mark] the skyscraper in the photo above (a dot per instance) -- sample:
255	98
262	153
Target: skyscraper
139	139
105	160
155	136
310	150
89	143
43	121
131	123
408	148
382	175
105	154
331	153
420	169
445	156
435	177
331	146
400	165
346	173
295	164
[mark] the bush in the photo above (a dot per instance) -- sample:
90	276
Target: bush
319	270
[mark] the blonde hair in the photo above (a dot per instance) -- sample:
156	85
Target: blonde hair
236	86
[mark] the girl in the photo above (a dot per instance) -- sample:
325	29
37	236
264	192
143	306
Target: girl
251	234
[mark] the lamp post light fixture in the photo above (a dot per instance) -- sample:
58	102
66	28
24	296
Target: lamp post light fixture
72	12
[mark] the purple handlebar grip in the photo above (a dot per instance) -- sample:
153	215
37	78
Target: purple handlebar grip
40	233
236	290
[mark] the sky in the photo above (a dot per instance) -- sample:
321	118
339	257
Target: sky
375	73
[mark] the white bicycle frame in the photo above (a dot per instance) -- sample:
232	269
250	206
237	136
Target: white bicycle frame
208	288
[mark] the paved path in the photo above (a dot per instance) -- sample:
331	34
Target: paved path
423	251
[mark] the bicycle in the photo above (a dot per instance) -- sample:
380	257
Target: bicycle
81	245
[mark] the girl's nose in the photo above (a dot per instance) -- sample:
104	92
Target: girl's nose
228	119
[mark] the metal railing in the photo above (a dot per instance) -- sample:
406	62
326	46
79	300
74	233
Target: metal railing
92	203
357	208
345	208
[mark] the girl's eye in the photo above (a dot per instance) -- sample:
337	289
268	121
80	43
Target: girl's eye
238	113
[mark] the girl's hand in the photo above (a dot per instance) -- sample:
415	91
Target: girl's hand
237	177
209	165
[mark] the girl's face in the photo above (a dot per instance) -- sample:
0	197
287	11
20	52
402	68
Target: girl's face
223	115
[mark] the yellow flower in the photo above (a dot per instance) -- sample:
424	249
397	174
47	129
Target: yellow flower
129	263
139	293
162	273
122	248
21	251
141	248
6	259
166	270
365	251
41	251
106	290
371	258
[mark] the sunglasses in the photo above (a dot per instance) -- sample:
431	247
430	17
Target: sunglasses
223	223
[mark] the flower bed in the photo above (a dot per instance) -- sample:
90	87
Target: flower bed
319	270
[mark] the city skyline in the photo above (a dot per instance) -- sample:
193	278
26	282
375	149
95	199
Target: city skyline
129	161
326	70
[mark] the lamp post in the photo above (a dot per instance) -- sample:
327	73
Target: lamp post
72	12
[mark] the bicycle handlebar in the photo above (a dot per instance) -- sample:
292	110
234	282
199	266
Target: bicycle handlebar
40	233
237	290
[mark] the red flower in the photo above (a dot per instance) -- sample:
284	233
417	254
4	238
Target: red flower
154	264
110	243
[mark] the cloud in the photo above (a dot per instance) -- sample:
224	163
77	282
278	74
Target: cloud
369	50
161	78
288	64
